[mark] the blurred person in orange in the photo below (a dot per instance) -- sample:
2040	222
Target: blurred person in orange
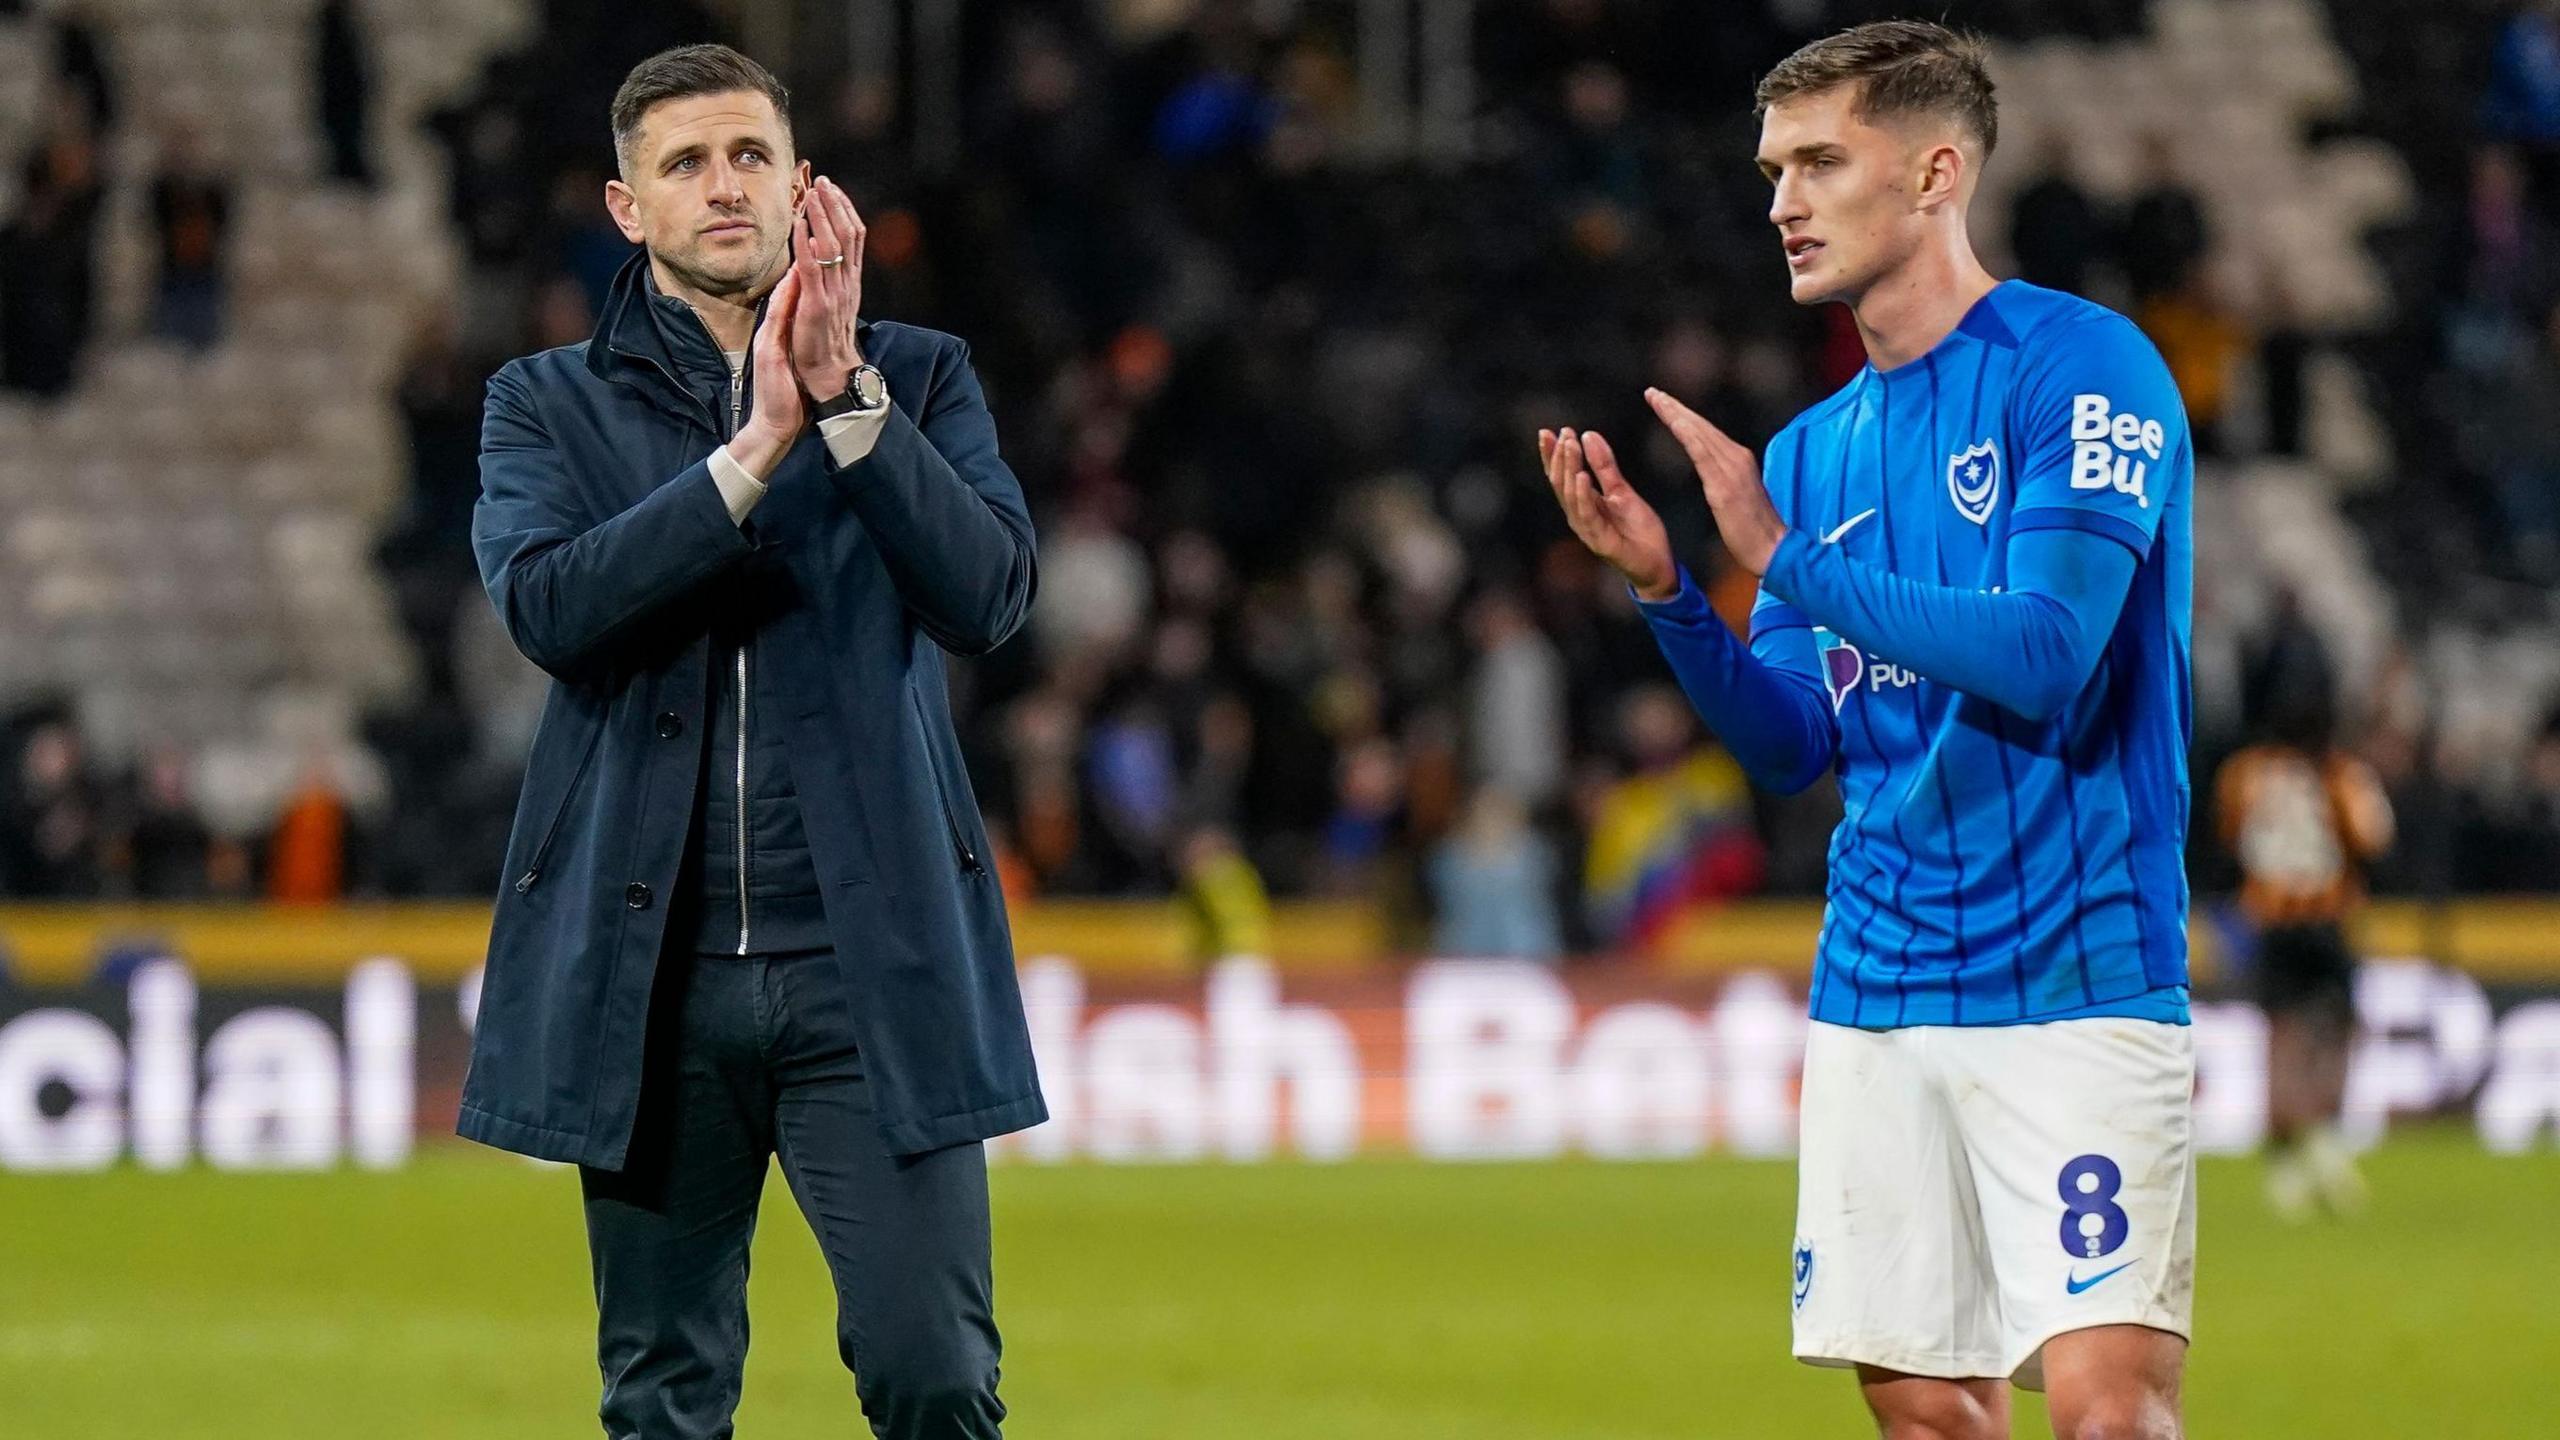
307	855
2204	345
2304	818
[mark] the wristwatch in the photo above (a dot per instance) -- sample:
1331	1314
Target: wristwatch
865	390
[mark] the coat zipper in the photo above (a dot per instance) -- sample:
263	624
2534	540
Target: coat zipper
737	402
542	852
950	818
743	918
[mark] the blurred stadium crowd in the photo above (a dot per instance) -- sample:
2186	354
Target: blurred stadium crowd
1268	318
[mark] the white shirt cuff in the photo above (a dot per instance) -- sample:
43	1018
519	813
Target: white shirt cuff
738	490
849	439
851	436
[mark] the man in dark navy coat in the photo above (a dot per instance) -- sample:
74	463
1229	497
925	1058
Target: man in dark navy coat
748	910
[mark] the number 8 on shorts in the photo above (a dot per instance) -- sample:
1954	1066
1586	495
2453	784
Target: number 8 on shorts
2093	1224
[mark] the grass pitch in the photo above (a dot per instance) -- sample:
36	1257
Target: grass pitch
1370	1301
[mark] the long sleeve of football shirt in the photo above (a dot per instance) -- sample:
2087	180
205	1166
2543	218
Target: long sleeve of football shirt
1765	701
2027	649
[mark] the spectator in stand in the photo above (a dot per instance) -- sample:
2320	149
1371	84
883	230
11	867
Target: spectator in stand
2165	237
2056	231
561	314
1362	836
1095	587
1042	739
1598	171
2503	266
342	80
439	403
191	210
2500	826
2287	658
1221	746
2531	844
167	849
1672	832
2284	367
1136	786
2522	103
314	849
2510	434
1493	884
54	844
1516	703
48	265
497	186
81	64
1225	910
1222	109
580	241
2506	256
2203	343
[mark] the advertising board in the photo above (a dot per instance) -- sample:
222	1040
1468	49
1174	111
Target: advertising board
1454	1060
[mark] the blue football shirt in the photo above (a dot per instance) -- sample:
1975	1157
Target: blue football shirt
1989	869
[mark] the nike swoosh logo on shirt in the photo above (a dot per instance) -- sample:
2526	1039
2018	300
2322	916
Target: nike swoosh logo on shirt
1845	526
2075	1284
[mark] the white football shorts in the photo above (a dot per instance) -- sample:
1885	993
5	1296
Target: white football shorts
1965	1194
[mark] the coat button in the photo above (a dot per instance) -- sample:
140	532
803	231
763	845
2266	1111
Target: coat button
636	895
670	725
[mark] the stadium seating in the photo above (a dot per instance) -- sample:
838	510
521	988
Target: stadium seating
188	537
2233	85
2230	83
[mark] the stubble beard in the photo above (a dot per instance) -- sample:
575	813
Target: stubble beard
722	278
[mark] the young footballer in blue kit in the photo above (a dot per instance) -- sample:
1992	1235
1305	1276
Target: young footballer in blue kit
1975	564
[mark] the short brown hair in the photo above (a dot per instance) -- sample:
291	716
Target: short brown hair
680	74
1902	67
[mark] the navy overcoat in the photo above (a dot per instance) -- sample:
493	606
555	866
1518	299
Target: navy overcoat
597	530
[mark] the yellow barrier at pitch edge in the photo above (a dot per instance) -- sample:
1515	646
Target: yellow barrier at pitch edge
275	944
58	944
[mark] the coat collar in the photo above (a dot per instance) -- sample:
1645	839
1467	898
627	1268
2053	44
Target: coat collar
656	343
640	322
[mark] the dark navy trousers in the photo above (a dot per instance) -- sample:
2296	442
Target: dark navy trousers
752	1058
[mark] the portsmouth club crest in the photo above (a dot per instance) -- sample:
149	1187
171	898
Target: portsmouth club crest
1973	481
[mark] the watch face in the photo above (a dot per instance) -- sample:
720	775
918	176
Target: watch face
869	390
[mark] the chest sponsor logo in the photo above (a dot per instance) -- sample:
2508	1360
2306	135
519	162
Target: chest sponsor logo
1973	481
2113	449
1846	669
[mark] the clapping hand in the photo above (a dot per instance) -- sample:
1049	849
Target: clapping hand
781	412
1730	475
828	268
1606	513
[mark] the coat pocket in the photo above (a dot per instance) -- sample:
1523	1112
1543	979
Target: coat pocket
960	846
560	812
